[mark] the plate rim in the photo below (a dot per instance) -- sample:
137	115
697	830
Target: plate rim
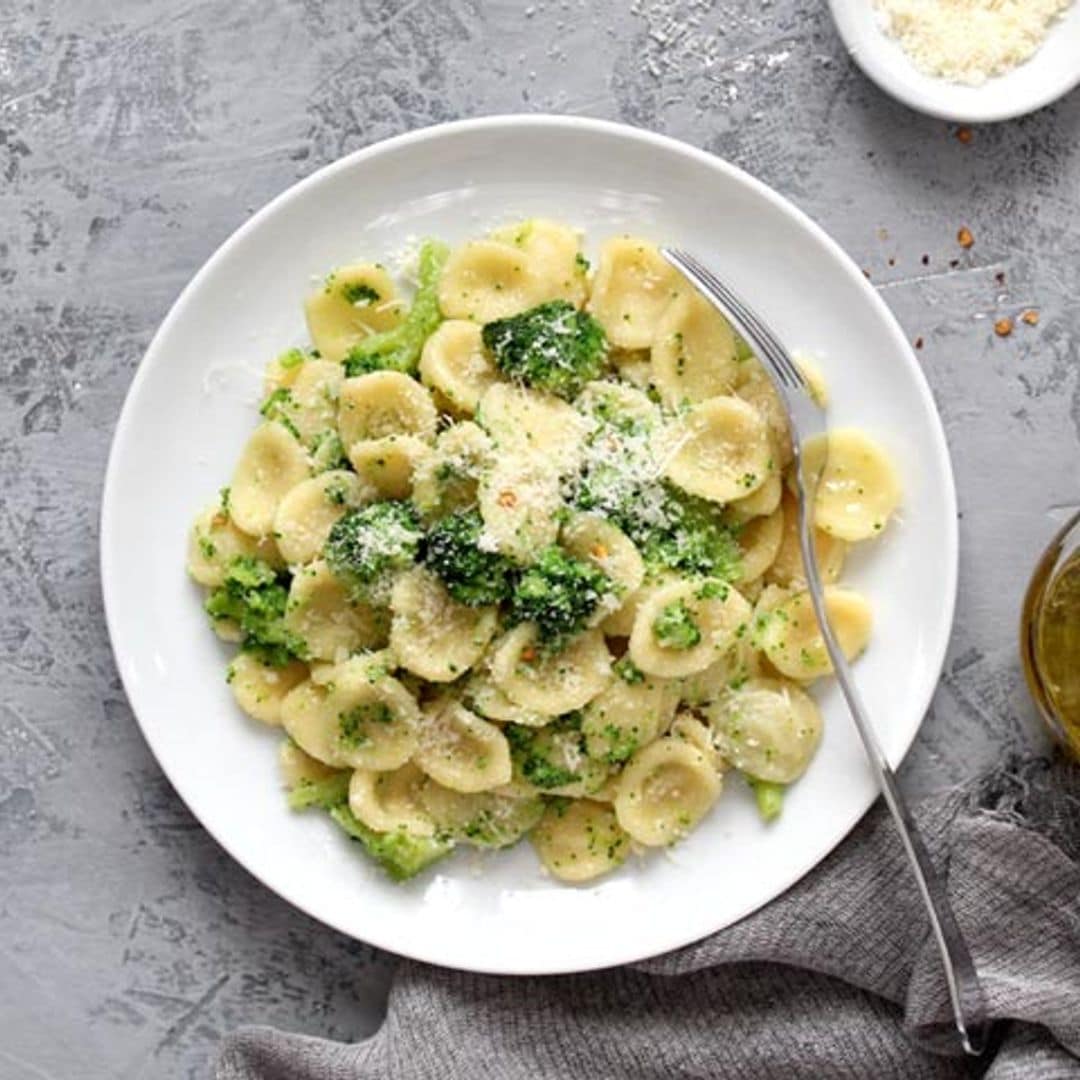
109	558
903	91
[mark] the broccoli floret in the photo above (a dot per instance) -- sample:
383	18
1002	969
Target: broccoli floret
291	358
326	794
533	750
558	593
276	407
768	796
675	628
359	292
365	546
254	596
471	576
399	349
628	671
692	540
401	855
554	347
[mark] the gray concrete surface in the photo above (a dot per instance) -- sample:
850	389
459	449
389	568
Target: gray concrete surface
136	134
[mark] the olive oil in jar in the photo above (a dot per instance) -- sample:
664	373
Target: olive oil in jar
1051	649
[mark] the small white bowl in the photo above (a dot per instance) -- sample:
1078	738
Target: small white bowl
1050	74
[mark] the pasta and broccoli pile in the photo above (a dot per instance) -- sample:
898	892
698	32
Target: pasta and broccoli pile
517	557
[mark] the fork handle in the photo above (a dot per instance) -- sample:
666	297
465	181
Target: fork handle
965	991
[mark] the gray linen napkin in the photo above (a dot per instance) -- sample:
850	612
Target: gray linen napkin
836	978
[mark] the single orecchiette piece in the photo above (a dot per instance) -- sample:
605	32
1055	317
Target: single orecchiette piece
632	287
858	489
389	465
215	541
718	450
756	388
384	403
665	790
460	750
693	353
308	512
455	366
311	403
684	627
271	465
759	544
259	689
331	623
615	402
580	841
519	499
626	716
431	634
550	683
354	302
356	720
768	729
486	280
485	698
594	539
486	819
389	802
448	478
554	254
529	422
297	768
787	567
792	640
758	503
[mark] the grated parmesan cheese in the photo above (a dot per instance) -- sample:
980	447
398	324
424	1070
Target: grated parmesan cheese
968	41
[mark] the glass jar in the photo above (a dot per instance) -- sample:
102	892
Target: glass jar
1050	635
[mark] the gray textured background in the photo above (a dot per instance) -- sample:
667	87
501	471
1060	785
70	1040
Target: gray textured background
136	135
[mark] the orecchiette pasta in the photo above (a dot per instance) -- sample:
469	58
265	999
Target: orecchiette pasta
858	489
454	365
389	802
272	464
259	688
307	513
331	622
693	352
580	841
719	450
433	636
497	581
550	683
768	729
215	541
665	790
792	640
383	404
354	302
705	621
353	722
487	280
632	288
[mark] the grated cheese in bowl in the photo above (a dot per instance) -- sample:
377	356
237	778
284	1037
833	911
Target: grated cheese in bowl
969	41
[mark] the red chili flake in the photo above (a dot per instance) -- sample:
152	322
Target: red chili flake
964	237
964	134
1031	317
1003	327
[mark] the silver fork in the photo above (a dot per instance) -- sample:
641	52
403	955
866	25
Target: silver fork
807	422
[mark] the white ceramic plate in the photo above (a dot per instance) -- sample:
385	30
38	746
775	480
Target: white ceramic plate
1050	74
192	405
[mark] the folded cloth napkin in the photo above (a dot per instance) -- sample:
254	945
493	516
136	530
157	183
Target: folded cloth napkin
836	978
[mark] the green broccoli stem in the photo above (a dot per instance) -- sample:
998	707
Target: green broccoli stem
325	794
769	797
399	349
400	855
